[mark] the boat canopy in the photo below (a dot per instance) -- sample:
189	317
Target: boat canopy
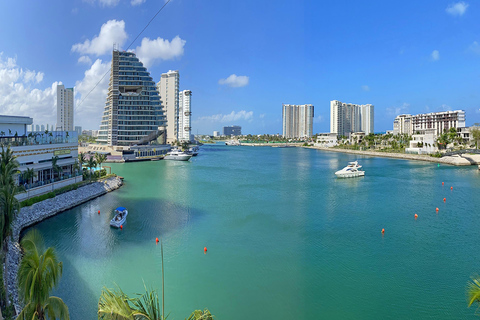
121	209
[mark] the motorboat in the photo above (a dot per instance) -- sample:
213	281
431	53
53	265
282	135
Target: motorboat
350	171
177	155
233	143
119	218
193	151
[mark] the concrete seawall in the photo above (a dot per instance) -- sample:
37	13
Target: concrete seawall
29	216
459	160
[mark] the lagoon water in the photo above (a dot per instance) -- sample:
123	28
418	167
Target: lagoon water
285	238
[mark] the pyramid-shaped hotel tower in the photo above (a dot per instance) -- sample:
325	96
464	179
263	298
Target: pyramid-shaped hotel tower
133	111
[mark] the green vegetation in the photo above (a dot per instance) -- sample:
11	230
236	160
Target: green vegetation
39	272
86	139
475	132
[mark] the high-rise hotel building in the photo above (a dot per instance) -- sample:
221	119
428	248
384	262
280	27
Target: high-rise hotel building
185	115
439	122
297	120
64	108
169	93
133	109
347	118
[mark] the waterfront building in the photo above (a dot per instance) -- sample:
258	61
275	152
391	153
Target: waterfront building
297	120
327	140
347	118
232	131
440	122
216	134
64	108
185	115
423	142
133	111
168	87
35	150
90	133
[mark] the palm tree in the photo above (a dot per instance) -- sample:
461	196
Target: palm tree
9	205
200	315
91	163
100	158
38	273
28	176
473	291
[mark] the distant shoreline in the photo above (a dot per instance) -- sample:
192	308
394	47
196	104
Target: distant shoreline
460	160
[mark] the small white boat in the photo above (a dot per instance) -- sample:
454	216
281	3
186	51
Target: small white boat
232	143
177	155
193	151
119	218
350	171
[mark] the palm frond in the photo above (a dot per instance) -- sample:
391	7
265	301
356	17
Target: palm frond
55	308
114	305
473	290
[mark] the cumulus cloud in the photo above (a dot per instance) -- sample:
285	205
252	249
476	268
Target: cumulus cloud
89	113
435	55
395	111
457	9
104	3
85	59
231	117
234	81
18	97
159	49
365	88
137	2
111	32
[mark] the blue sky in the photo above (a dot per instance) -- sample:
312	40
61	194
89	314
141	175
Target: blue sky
243	59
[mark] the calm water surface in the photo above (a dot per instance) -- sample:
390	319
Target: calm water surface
285	238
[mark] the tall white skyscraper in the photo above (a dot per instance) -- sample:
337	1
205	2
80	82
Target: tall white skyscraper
169	95
64	108
297	120
346	118
185	115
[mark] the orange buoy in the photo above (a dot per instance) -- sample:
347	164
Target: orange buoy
442	183
444	199
156	240
98	211
451	188
121	227
205	249
416	216
436	209
383	231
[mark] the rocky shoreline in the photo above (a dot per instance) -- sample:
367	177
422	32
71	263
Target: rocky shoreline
29	216
457	160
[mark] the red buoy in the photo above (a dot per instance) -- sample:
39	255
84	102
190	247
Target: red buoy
205	249
98	211
442	183
416	216
436	209
451	188
383	231
444	199
121	227
156	240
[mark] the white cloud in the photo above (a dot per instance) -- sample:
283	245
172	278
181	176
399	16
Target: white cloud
318	119
365	88
111	32
17	97
234	81
474	47
89	113
445	107
231	117
457	9
137	2
85	59
104	3
159	49
435	55
395	111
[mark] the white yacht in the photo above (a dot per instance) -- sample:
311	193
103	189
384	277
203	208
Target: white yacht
177	155
233	143
350	171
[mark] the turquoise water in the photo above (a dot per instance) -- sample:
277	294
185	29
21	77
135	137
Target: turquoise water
285	238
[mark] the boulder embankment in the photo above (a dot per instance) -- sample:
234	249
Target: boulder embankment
28	216
456	160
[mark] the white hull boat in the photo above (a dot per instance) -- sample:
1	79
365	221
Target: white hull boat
119	218
177	155
350	171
